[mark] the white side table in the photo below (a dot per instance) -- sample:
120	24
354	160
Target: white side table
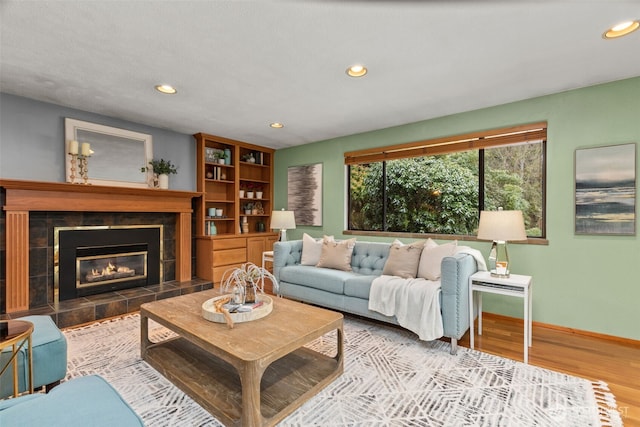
515	285
267	256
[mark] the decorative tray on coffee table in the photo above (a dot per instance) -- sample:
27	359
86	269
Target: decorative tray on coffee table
261	308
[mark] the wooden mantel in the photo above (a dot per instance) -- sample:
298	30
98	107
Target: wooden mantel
22	197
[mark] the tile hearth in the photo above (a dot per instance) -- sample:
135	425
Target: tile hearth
96	307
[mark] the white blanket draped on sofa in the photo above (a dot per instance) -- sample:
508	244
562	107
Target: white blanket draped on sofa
414	302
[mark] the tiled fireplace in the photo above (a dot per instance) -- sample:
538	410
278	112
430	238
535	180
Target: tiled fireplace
95	259
130	246
124	251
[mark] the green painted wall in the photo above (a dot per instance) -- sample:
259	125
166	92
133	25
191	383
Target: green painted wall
589	283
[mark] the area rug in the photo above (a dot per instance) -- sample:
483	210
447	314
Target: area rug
390	379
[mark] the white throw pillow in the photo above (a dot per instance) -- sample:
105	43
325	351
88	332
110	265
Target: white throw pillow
311	249
431	258
430	243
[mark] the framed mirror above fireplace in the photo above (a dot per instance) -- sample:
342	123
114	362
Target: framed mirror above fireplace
115	156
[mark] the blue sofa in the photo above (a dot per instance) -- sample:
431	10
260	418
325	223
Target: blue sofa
349	291
81	402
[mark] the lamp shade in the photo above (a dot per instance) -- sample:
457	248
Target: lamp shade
504	226
283	220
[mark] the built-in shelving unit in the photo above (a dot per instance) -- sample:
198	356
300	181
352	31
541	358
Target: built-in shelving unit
241	221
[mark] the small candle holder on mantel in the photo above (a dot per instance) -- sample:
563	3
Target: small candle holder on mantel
74	163
84	168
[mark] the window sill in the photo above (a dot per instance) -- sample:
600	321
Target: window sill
465	238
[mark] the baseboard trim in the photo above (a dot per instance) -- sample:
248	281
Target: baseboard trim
611	338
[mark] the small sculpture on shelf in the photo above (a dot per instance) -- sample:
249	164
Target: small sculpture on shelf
248	158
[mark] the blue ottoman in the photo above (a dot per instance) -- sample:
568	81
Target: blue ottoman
49	357
84	401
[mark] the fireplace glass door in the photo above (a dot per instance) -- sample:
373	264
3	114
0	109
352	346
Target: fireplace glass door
98	270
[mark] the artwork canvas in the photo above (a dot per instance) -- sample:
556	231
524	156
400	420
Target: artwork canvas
605	189
304	189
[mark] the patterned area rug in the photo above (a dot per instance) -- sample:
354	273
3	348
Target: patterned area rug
390	379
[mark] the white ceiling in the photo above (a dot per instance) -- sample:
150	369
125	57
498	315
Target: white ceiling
239	65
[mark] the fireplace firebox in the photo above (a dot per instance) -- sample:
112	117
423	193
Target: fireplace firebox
90	260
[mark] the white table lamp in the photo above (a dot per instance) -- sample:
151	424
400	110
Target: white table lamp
501	226
283	221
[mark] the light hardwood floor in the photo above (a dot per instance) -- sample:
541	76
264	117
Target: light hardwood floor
616	362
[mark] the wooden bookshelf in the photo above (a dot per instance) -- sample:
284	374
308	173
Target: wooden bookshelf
242	221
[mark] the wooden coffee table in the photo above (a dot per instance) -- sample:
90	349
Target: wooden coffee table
252	375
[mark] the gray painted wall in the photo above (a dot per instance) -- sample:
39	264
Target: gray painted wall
32	142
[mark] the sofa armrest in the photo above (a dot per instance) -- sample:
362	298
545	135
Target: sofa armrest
82	401
454	283
8	403
286	253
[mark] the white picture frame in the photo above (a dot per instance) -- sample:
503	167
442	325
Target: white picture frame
117	155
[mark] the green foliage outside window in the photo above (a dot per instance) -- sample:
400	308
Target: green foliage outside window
440	194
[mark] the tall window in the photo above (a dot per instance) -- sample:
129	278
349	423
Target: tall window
440	186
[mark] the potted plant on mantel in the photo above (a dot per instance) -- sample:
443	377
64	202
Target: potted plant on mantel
161	169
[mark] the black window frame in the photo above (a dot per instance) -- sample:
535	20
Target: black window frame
503	137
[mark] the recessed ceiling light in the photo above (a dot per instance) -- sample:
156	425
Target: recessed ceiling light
276	125
357	70
621	29
168	89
